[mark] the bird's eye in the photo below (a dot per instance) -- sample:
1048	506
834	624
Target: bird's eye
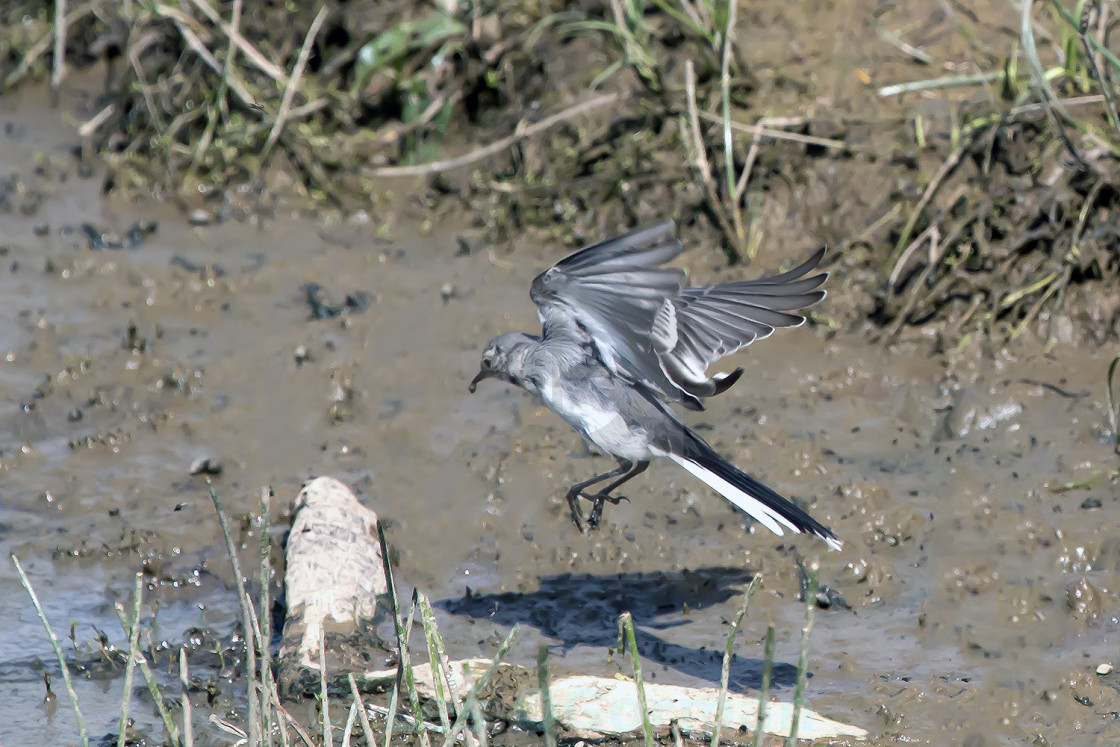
486	363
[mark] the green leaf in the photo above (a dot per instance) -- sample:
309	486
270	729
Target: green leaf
434	28
380	53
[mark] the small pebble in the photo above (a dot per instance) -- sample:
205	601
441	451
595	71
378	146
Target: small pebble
1104	669
447	292
200	218
206	466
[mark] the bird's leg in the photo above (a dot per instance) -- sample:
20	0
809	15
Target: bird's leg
602	496
637	469
574	492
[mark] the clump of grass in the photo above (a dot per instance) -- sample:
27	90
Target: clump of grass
714	24
268	721
266	715
726	193
627	641
631	32
211	95
404	663
131	628
978	246
726	204
633	28
57	651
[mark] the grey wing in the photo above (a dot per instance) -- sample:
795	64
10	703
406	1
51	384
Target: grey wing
609	293
700	325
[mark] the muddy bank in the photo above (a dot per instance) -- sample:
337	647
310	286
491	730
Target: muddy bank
973	482
969	574
975	198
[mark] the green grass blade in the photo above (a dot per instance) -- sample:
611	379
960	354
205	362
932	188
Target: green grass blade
626	626
324	694
404	670
1045	92
546	697
130	668
264	617
367	730
396	611
683	19
764	686
803	659
157	696
404	629
725	671
57	650
188	713
1111	399
410	676
435	658
480	684
480	725
252	632
725	91
1069	18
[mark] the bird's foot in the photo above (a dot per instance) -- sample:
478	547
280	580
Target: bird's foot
597	502
577	513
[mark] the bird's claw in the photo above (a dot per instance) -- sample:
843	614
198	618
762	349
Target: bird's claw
597	502
603	497
577	513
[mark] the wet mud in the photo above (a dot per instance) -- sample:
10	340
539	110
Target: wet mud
151	345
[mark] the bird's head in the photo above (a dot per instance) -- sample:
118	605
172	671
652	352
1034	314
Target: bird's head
504	358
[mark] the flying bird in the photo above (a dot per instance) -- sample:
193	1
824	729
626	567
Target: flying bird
621	336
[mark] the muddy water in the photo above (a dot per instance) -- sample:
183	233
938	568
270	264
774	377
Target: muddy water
972	602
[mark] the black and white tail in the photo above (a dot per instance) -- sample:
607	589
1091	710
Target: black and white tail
764	505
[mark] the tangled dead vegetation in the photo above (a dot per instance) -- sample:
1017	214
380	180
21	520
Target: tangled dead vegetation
204	93
1011	226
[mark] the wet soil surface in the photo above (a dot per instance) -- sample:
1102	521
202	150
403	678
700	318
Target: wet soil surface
973	601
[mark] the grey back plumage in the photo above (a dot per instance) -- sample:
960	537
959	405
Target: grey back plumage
617	296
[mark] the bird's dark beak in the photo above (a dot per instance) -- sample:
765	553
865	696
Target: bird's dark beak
485	373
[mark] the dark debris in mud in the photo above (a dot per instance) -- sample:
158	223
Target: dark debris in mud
136	234
324	307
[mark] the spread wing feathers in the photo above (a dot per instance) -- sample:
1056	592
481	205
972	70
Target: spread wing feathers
641	248
611	291
702	324
644	326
